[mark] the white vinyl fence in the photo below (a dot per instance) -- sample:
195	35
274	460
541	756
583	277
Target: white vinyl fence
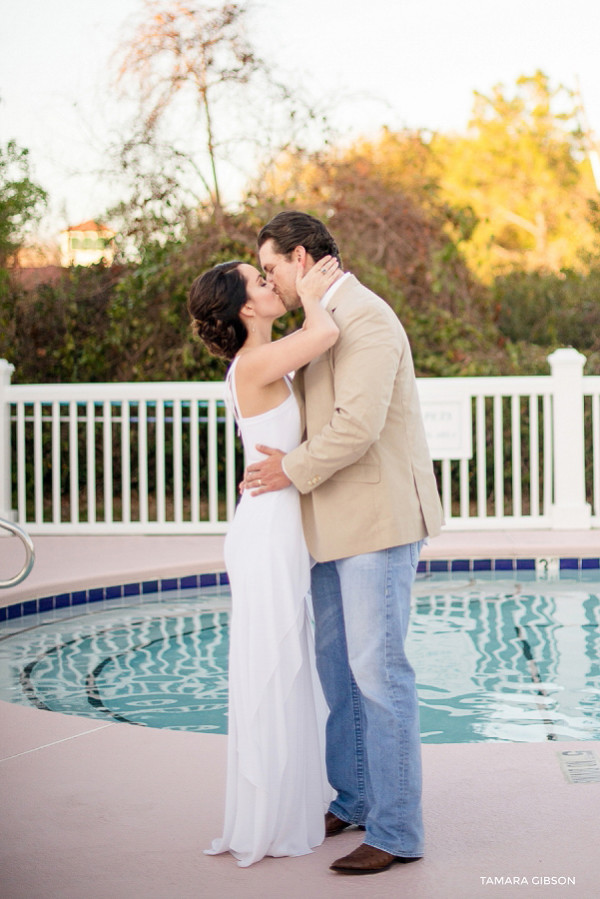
164	458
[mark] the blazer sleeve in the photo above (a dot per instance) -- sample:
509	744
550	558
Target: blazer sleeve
365	363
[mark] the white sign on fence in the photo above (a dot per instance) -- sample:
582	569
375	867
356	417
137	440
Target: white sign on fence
448	427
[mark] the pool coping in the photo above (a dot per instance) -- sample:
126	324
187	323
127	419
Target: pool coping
90	595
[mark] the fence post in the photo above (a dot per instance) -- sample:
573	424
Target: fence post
569	510
6	370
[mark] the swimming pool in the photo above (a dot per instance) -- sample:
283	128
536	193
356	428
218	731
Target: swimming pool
498	656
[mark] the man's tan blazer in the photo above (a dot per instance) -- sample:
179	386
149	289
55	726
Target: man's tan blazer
364	471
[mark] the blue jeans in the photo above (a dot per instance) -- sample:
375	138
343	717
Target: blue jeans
362	607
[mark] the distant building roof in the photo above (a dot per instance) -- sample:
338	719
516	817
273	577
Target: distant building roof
88	226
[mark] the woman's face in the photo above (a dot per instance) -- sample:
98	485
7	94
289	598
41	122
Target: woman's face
261	295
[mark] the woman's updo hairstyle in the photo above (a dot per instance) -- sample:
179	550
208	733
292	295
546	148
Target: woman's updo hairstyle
216	298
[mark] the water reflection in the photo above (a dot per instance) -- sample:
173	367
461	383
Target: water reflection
508	664
156	665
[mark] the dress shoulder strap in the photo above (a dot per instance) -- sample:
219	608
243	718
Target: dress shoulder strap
230	391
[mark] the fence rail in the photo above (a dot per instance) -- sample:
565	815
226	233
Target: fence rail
164	458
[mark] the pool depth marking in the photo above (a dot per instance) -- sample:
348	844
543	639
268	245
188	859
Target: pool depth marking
580	766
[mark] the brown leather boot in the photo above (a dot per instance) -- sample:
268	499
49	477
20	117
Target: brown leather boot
335	825
368	860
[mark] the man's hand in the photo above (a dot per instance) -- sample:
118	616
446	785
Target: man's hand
266	475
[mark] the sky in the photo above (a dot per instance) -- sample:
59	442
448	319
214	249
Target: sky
400	63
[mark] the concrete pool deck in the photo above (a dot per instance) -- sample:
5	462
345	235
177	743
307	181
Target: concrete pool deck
112	811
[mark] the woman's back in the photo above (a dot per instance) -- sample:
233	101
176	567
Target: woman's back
278	427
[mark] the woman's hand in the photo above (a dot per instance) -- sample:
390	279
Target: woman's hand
313	284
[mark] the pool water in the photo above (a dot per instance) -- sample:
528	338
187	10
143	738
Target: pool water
495	660
507	662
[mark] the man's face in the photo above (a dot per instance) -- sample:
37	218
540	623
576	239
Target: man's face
280	272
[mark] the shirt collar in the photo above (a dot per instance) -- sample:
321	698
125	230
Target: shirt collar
325	299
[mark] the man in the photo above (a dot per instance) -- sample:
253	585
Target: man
369	499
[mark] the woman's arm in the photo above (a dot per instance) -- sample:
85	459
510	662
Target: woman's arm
268	363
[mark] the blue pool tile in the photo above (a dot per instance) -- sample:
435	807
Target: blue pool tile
461	565
590	564
15	611
504	564
150	587
46	604
572	564
422	568
208	580
62	600
114	592
131	590
482	564
190	581
169	583
224	578
525	564
78	598
3	614
96	594
30	607
438	565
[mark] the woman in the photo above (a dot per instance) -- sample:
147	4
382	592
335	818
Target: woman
277	792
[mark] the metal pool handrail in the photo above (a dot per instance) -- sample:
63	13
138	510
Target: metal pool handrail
29	553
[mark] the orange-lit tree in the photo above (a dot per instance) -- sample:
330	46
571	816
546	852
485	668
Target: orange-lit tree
523	169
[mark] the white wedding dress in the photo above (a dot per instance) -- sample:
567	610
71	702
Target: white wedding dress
277	791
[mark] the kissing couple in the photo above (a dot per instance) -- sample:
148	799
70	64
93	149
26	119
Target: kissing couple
339	494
